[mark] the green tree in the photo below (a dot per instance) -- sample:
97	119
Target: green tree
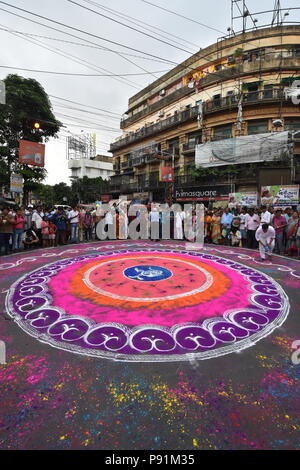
88	190
45	194
26	102
62	194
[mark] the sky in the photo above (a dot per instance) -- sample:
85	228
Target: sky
23	48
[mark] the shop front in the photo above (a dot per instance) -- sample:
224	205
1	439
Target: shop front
207	195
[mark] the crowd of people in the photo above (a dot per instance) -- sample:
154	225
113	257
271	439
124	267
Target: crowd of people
269	229
266	229
29	227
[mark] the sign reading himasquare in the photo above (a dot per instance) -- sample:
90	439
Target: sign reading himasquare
31	153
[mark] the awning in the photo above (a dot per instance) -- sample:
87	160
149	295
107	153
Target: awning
7	201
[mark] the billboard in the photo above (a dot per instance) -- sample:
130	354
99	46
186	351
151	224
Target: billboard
167	174
280	195
245	149
16	183
204	193
249	199
81	146
31	153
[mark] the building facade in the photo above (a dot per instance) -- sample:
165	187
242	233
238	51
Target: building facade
101	165
238	86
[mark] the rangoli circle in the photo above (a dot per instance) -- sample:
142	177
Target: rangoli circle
139	305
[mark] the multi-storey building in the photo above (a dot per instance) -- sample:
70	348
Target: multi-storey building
101	165
163	119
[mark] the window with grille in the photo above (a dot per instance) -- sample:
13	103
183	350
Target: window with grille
222	132
257	127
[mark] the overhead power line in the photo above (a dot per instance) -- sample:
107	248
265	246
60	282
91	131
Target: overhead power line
129	27
85	121
139	22
76	59
93	43
23	33
78	30
78	74
81	104
182	16
65	106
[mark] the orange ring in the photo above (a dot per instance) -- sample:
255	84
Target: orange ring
220	284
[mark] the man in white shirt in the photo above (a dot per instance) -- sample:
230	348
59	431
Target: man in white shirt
179	219
154	221
110	221
36	220
265	217
74	221
265	235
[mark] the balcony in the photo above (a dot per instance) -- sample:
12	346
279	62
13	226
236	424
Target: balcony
161	126
150	158
193	181
252	98
271	61
215	138
125	165
138	161
136	187
177	95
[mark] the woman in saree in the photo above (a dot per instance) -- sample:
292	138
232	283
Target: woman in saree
216	235
291	235
207	227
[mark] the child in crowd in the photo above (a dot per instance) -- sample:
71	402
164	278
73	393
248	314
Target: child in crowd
235	237
31	239
52	233
45	231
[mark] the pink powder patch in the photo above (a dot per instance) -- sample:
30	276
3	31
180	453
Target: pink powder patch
111	279
235	297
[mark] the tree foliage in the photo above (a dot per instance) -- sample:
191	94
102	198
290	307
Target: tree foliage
26	102
88	190
83	190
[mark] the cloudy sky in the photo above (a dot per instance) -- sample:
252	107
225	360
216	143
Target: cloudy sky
29	45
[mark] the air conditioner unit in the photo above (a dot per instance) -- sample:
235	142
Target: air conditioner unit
161	114
162	93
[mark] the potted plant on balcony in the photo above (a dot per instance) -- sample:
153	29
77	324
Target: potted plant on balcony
238	55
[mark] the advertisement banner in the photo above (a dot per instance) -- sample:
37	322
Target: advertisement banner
214	193
245	149
31	153
167	174
280	195
249	199
16	183
104	198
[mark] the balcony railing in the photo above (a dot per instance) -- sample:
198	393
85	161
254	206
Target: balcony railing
273	61
192	181
190	146
136	187
231	102
160	126
221	137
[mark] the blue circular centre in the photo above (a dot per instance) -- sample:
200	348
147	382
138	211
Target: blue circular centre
147	273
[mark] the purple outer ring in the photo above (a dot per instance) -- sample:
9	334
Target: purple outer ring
234	331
